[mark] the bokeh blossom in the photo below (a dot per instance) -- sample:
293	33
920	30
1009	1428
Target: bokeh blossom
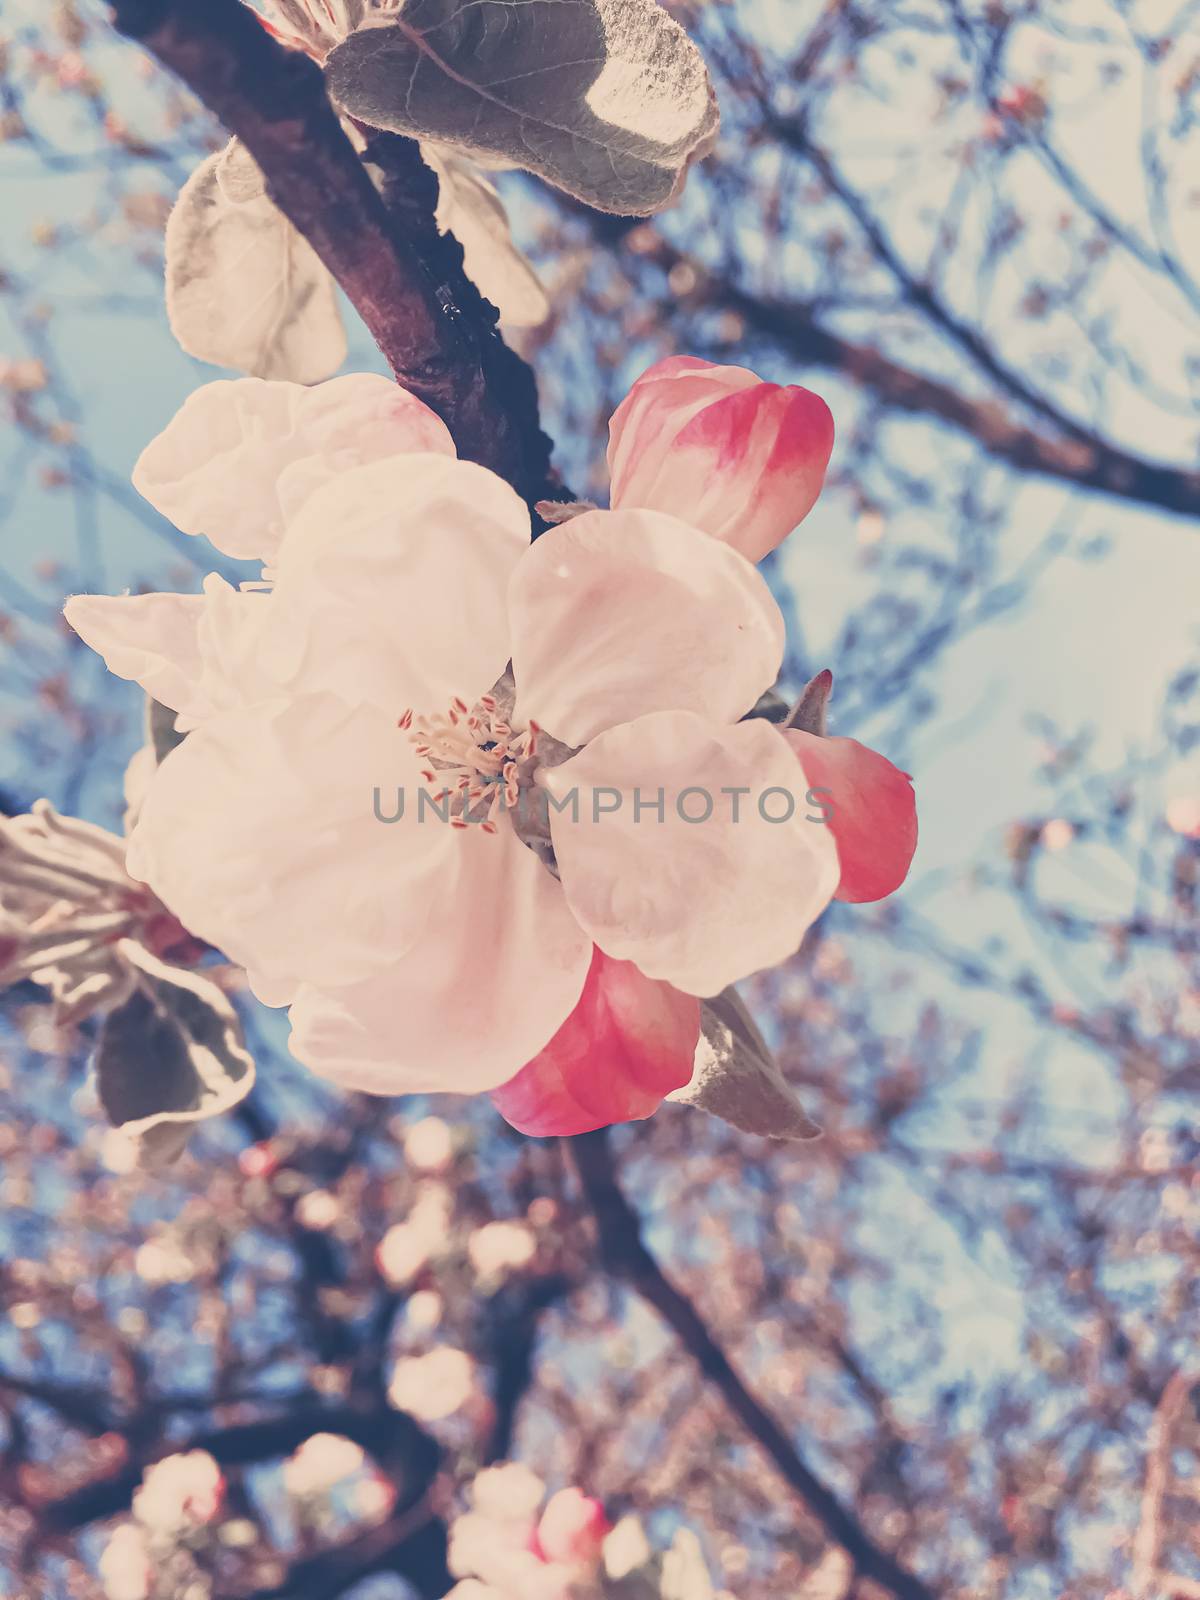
508	1548
179	1492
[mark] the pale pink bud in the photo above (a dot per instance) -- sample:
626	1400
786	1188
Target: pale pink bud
741	459
572	1529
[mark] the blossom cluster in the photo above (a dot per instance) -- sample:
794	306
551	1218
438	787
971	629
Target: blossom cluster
406	633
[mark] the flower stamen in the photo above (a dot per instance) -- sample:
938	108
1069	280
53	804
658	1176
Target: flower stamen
482	760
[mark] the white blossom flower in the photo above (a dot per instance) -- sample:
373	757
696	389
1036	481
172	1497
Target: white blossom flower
180	1491
429	1145
502	1545
500	1247
433	1386
125	1568
320	1463
418	956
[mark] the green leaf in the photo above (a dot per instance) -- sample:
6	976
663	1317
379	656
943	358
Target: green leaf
737	1079
171	1056
607	99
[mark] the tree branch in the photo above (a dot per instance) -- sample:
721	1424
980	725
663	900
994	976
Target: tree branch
793	328
403	1450
626	1257
441	342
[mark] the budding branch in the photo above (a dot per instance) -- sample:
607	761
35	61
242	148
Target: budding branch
405	280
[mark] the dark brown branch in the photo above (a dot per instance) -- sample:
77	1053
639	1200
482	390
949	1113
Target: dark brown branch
626	1257
401	1447
792	327
441	344
514	1316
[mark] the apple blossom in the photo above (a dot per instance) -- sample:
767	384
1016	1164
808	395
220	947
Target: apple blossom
126	1570
371	660
180	1491
498	1549
500	1247
435	1385
429	1145
572	1529
742	459
320	1463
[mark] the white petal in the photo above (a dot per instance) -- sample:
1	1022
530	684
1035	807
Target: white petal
698	903
400	569
619	613
500	965
195	653
147	638
260	832
240	456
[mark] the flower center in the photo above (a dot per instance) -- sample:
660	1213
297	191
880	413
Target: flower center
482	761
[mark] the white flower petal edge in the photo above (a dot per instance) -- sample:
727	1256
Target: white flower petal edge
260	833
700	903
240	456
499	967
149	639
395	576
619	613
195	653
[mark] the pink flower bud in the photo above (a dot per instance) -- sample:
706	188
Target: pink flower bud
573	1529
741	459
871	812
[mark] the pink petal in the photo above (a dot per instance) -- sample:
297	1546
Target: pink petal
741	459
617	613
873	812
498	966
240	457
724	881
628	1043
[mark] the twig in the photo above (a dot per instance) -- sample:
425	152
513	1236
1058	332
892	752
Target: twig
796	329
1148	1581
441	343
626	1257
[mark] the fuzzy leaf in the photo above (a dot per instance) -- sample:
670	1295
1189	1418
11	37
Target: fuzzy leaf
607	99
736	1076
171	1056
244	288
